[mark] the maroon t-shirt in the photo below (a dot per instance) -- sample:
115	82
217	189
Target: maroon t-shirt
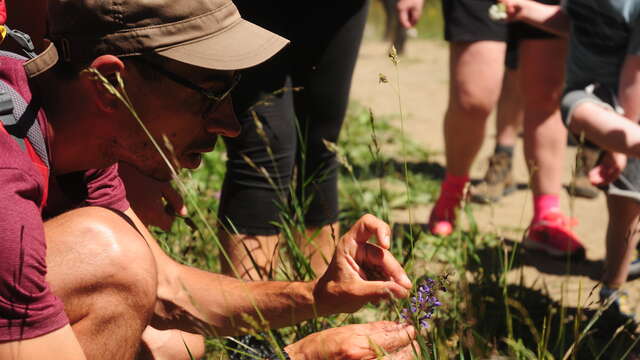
28	308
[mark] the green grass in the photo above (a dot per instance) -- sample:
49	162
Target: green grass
430	26
485	312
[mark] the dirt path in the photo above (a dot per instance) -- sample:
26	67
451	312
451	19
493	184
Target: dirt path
423	86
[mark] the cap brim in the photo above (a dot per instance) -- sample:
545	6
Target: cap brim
241	46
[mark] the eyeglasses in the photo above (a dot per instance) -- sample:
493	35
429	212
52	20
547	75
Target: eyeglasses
215	97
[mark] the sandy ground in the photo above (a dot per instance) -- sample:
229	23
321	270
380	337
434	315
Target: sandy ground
423	74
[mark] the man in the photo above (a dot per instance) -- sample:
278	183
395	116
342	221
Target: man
177	61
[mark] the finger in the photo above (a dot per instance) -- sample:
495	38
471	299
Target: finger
596	176
372	257
409	352
174	200
376	291
403	16
415	14
391	337
369	225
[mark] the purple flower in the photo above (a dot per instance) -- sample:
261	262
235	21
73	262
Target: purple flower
422	305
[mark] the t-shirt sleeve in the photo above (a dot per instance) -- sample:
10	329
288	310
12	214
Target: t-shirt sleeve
105	188
28	308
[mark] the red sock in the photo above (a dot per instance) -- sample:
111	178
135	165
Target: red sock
451	193
542	204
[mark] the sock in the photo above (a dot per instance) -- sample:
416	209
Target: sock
542	204
505	149
451	193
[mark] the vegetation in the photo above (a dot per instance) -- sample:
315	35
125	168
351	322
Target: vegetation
487	310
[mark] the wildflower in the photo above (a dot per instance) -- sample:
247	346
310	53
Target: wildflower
423	304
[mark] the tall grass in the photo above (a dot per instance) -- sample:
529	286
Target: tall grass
485	312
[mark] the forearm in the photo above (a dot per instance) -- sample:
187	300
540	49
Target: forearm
195	300
550	18
211	303
606	128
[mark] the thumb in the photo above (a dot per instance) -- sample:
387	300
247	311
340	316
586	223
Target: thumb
598	176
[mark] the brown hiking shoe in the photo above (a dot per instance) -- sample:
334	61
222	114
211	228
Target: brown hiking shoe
497	182
580	186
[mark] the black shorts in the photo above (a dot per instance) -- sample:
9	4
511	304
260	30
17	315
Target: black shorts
468	21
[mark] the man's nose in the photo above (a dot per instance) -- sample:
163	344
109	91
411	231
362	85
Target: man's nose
223	120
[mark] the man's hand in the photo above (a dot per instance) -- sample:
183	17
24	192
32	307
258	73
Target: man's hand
608	169
409	12
356	341
361	272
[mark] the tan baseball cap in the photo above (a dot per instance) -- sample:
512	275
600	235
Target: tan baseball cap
205	33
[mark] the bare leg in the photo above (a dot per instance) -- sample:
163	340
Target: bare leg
254	257
475	78
62	342
510	113
498	180
246	251
622	238
474	86
319	245
103	271
541	81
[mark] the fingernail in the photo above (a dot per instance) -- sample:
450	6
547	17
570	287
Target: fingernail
405	279
387	239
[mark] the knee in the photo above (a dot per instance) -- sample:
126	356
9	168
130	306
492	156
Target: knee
542	97
107	256
473	103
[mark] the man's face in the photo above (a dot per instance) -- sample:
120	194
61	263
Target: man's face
190	121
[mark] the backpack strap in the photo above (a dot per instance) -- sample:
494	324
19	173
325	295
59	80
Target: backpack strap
8	119
21	120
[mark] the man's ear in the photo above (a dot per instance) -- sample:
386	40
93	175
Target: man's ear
108	66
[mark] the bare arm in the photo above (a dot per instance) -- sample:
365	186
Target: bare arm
194	300
618	134
608	129
550	18
629	88
61	342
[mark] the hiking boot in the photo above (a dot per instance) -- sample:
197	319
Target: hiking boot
620	312
552	234
497	182
580	185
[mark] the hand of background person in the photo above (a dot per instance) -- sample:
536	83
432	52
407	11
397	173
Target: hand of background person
608	169
515	9
409	12
361	272
146	198
354	342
